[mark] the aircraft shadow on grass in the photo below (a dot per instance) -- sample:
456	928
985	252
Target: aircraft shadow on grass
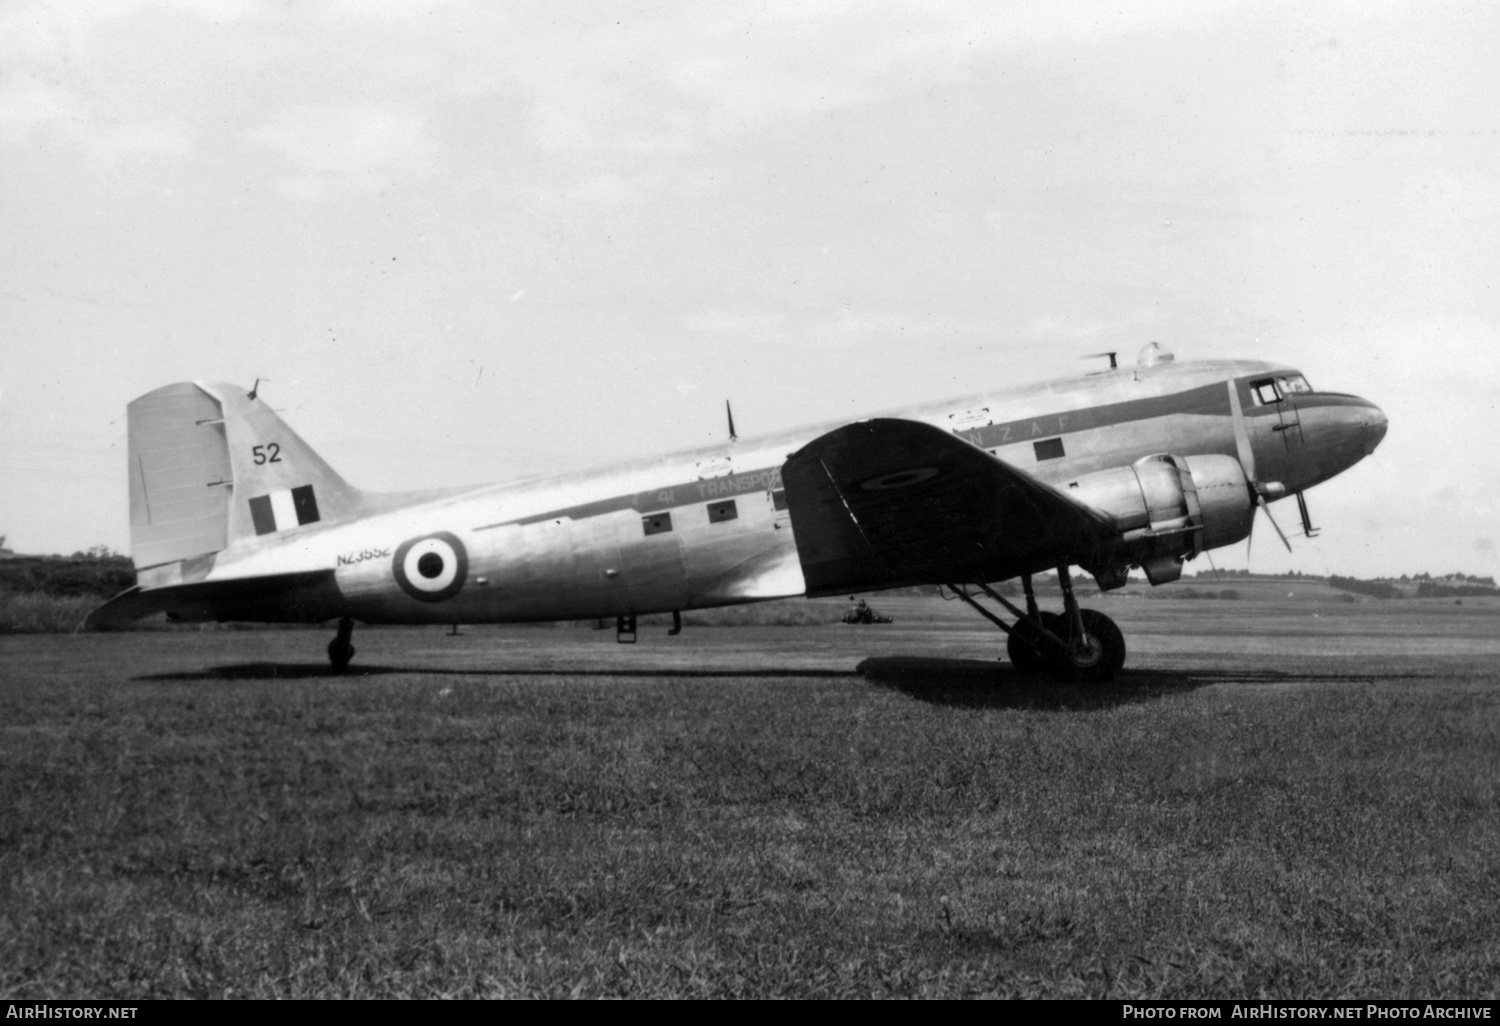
977	683
960	683
300	671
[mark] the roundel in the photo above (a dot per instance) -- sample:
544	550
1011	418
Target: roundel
899	479
431	568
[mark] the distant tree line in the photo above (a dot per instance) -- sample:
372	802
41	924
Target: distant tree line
1456	578
1193	593
1290	575
1427	589
1375	589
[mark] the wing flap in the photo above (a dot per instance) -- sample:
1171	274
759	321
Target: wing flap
884	503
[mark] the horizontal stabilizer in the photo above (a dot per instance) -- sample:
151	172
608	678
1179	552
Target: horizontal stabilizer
306	597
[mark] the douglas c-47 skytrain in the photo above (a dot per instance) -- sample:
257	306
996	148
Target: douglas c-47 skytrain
233	517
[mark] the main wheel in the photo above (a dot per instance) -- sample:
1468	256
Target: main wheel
1110	636
1027	648
1095	657
339	653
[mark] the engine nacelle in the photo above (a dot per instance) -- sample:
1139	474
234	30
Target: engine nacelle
1169	508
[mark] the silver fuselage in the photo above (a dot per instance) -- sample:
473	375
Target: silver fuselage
708	527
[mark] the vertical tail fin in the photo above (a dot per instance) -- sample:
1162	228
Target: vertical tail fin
210	466
280	484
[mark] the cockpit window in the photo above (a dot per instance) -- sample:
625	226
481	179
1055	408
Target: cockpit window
1265	391
1273	390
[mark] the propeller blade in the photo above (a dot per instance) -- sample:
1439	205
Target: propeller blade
1217	579
1242	447
1267	507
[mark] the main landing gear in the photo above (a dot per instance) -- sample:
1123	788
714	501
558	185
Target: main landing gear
1077	645
340	651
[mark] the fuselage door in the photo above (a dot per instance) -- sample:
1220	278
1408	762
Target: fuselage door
651	573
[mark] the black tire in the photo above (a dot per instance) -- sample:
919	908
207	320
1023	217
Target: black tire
1111	637
1028	650
339	654
1096	662
1024	648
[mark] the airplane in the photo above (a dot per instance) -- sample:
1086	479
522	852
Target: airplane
234	518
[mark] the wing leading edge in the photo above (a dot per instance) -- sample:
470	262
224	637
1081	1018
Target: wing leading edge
885	503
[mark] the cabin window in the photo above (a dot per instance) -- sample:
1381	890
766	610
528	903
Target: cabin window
1049	449
778	499
656	523
718	512
1293	384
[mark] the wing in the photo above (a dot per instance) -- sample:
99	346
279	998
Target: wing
306	597
885	503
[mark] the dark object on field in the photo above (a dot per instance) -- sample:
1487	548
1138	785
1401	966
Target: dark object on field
862	613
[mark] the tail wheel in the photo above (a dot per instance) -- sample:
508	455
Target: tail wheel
340	651
1095	657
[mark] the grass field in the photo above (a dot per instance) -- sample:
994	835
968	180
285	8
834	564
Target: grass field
1291	798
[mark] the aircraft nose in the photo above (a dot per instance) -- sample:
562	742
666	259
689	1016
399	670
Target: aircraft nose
1374	427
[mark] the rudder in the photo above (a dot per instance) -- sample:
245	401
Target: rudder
179	475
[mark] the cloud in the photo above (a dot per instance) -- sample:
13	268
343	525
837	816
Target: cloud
112	144
28	106
828	329
739	325
30	109
673	80
606	191
346	149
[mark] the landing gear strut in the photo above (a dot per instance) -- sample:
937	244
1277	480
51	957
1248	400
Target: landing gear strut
339	649
1075	646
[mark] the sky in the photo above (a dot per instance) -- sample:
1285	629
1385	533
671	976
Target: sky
462	242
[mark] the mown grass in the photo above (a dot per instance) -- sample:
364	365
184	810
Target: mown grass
184	815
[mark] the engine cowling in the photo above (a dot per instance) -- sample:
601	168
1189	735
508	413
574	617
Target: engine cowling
1169	508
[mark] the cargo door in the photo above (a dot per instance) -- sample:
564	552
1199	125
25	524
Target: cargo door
652	575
